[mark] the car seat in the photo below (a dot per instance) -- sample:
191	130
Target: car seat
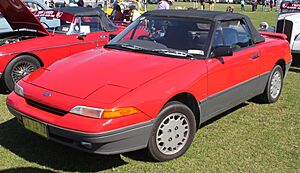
230	36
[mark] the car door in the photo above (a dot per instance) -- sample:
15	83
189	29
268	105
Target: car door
90	34
232	79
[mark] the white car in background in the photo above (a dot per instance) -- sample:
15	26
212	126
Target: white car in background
288	22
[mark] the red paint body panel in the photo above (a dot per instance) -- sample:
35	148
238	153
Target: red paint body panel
112	68
229	71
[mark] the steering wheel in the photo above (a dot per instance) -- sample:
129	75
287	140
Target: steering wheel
145	37
45	25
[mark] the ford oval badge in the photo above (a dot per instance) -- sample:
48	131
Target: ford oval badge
47	94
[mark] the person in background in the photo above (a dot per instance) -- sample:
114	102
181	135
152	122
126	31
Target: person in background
254	5
271	5
114	3
51	4
202	4
117	14
135	13
164	4
80	3
243	5
100	6
230	8
263	5
211	5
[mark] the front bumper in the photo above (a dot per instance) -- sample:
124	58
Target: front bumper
113	142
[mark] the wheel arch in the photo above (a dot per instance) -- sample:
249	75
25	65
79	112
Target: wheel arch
30	54
190	101
282	63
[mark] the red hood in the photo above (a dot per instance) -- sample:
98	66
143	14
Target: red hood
83	74
19	16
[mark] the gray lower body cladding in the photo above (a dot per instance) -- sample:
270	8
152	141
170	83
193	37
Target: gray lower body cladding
227	99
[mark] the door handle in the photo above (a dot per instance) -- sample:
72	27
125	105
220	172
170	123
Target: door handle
255	56
103	36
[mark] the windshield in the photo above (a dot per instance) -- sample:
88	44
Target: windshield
166	36
66	23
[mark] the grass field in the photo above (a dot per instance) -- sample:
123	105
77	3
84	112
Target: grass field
249	138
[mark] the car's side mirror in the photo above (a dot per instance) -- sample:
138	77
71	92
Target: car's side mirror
221	51
111	36
81	36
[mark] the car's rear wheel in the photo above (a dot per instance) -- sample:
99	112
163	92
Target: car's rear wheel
173	132
274	86
18	68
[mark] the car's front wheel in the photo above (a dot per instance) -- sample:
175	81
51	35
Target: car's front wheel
173	132
18	68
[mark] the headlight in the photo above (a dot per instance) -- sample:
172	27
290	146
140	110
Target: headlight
19	90
104	113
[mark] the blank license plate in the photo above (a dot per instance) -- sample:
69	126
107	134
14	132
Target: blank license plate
35	127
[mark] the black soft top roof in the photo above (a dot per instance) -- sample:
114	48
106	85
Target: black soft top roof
85	11
213	16
81	11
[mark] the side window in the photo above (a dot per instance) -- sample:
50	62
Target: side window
90	24
234	34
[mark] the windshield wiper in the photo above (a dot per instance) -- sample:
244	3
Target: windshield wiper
168	52
126	46
173	52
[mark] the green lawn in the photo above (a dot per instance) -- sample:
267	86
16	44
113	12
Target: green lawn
249	138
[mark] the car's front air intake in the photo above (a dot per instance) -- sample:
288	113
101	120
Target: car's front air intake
46	108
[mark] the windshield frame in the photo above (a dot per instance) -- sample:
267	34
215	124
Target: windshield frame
132	27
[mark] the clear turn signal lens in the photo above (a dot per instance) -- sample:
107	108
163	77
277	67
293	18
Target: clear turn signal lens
87	111
19	90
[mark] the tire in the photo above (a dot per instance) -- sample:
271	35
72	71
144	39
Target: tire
173	132
18	68
274	86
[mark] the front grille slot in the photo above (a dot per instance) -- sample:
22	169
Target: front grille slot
286	27
46	108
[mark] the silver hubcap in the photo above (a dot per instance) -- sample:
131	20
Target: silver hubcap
173	133
275	86
21	70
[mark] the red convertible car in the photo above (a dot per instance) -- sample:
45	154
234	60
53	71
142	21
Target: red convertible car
153	84
63	32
